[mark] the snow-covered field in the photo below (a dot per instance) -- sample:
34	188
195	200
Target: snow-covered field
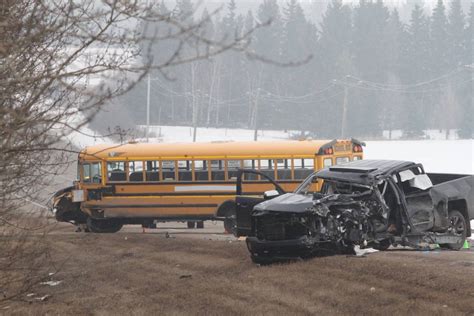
446	156
449	156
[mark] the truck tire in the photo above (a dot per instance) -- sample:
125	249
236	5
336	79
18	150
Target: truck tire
458	225
263	261
382	245
103	225
200	224
191	224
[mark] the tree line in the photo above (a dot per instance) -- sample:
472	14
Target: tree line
359	71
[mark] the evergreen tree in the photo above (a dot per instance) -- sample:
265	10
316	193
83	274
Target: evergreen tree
268	77
394	41
335	60
295	32
466	124
392	102
416	66
416	61
468	41
335	38
249	22
184	10
455	32
439	45
370	57
268	39
299	43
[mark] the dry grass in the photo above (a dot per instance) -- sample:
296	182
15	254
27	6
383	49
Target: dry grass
130	273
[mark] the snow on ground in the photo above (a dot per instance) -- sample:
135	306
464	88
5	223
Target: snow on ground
433	134
173	134
86	137
444	156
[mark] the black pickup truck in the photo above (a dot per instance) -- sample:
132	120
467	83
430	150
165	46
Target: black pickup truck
370	203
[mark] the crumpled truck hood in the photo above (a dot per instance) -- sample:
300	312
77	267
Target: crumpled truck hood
289	202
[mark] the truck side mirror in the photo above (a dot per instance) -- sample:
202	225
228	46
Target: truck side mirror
270	194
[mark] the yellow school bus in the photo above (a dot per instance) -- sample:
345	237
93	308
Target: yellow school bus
138	183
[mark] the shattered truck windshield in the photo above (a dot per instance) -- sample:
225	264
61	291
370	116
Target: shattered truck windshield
312	183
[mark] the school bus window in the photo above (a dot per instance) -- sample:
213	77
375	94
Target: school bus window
96	172
116	171
200	170
232	167
250	164
217	170
327	162
266	168
283	169
152	171
303	168
135	171
184	170
168	167
308	164
341	160
86	172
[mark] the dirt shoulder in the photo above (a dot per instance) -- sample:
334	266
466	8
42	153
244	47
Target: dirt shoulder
211	273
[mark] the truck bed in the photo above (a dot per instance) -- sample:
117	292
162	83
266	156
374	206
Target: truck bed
455	187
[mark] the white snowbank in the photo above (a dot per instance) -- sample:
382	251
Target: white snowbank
170	134
444	156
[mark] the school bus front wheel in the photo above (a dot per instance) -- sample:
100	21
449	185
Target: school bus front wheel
103	225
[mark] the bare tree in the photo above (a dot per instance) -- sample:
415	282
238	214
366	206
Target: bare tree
60	62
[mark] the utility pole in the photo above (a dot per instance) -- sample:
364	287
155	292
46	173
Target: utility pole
148	108
344	112
255	122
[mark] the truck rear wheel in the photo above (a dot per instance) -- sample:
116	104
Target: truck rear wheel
191	224
458	226
103	225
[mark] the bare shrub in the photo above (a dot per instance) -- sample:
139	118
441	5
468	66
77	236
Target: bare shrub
60	62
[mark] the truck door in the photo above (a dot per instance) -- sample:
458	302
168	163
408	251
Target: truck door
245	203
419	204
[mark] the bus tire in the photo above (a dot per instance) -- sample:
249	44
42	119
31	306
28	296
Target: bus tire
103	225
191	224
200	224
457	222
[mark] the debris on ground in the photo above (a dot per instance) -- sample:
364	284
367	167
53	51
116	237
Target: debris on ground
51	283
43	298
362	252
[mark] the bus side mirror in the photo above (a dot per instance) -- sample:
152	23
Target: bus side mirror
270	194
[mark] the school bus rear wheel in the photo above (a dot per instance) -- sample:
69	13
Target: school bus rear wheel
103	225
